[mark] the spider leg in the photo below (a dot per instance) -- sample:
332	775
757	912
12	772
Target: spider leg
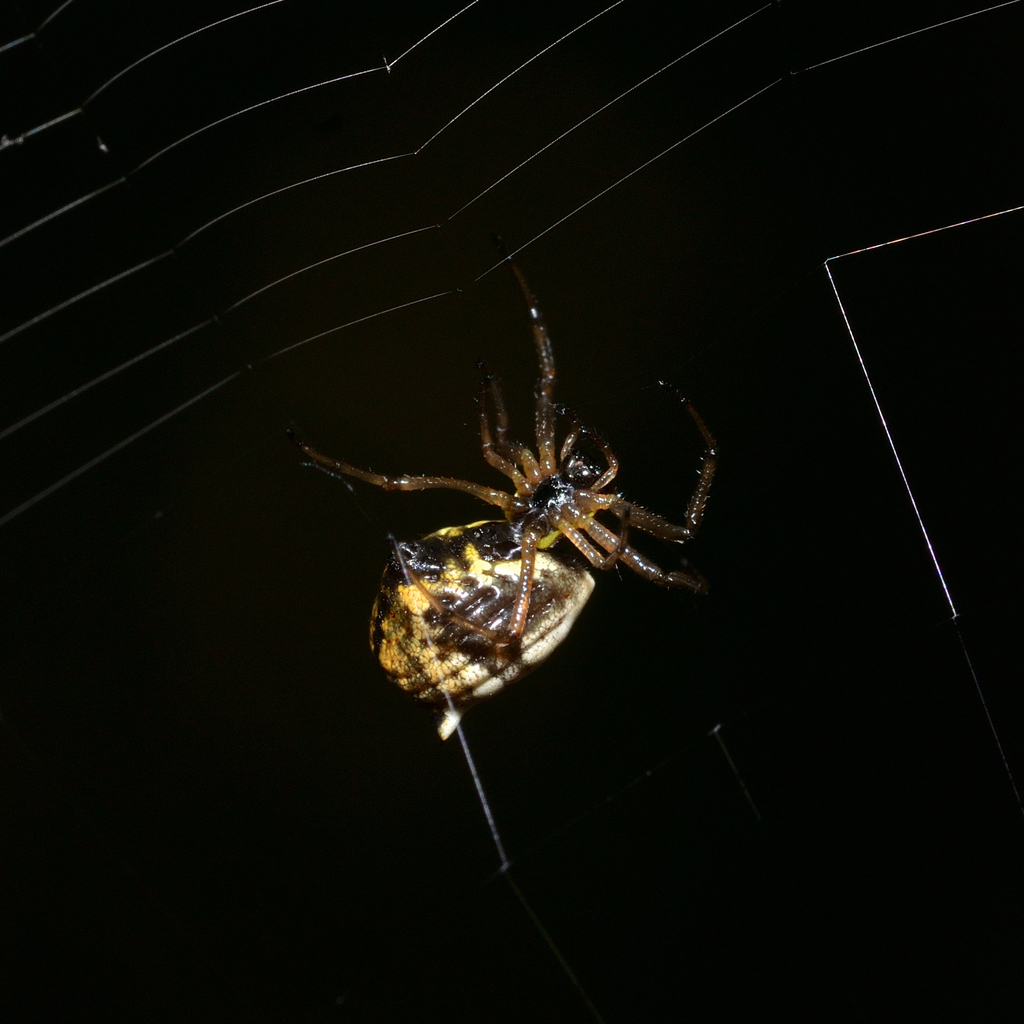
650	522
493	383
517	624
437	605
576	431
642	565
531	467
613	463
699	498
544	409
497	453
591	553
588	503
508	450
506	502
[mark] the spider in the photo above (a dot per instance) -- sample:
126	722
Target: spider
468	610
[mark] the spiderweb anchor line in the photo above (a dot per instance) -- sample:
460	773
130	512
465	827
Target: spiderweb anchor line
636	170
531	914
481	795
502	81
988	718
871	386
504	868
906	483
892	443
604	107
908	35
505	872
113	450
717	733
46	492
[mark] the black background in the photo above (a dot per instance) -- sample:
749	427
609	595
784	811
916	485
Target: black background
215	809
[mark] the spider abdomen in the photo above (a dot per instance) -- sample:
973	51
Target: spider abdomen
444	601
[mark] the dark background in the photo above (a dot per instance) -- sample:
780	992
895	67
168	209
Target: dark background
213	806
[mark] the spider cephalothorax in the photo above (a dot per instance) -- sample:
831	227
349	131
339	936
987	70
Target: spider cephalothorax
468	610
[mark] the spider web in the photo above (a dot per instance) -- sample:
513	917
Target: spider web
217	810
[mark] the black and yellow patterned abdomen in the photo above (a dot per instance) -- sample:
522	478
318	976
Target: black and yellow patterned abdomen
473	573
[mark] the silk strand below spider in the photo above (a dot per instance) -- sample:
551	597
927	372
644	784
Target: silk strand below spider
468	610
